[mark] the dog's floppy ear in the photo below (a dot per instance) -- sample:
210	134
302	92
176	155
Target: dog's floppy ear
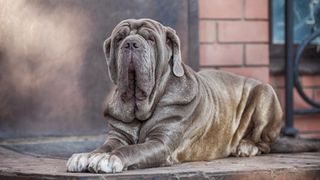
110	60
176	52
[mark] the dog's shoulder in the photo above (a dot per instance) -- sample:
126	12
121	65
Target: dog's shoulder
226	85
227	78
220	77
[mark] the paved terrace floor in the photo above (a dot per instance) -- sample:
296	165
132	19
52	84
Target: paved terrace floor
25	165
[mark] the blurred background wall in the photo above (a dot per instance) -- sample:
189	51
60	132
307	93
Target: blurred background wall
53	75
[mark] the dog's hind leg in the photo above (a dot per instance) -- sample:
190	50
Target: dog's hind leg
247	148
265	122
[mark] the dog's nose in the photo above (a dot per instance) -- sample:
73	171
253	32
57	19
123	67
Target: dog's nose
131	44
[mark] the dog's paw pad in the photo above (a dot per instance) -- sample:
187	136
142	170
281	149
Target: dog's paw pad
99	163
103	166
78	162
103	163
116	164
94	161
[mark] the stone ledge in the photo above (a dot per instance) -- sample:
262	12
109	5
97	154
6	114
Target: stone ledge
273	166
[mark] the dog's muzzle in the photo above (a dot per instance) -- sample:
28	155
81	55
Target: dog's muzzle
135	67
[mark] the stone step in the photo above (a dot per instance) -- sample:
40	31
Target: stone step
272	166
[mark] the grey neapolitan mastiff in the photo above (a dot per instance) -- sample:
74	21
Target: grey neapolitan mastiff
162	112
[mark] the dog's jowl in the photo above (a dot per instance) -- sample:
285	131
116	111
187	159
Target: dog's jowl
162	112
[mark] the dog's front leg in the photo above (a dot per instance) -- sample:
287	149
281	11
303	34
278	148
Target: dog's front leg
119	134
155	151
149	154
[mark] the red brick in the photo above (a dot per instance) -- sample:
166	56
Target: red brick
277	81
256	9
257	54
307	122
316	95
260	73
294	173
243	31
221	54
207	31
299	103
281	96
306	81
220	9
310	80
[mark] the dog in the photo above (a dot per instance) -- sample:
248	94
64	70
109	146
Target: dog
162	112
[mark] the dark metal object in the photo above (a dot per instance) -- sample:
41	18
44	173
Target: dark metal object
292	73
298	86
193	46
306	111
289	130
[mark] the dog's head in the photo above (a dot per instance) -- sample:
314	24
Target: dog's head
138	53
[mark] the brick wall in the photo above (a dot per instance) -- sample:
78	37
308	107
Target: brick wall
234	36
308	125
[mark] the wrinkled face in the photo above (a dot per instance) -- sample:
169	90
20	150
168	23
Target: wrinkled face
137	52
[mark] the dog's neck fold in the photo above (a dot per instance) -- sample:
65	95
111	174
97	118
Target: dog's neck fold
128	111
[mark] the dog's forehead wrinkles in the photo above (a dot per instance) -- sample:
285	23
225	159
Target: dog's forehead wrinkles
137	24
120	28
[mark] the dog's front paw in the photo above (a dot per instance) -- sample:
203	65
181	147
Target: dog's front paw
116	164
104	163
78	162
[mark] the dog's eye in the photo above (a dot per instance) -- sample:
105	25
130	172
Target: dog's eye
119	38
151	39
168	42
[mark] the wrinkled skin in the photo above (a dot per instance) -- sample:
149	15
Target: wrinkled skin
162	112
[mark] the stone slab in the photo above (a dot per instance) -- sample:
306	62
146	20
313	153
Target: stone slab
54	147
273	166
